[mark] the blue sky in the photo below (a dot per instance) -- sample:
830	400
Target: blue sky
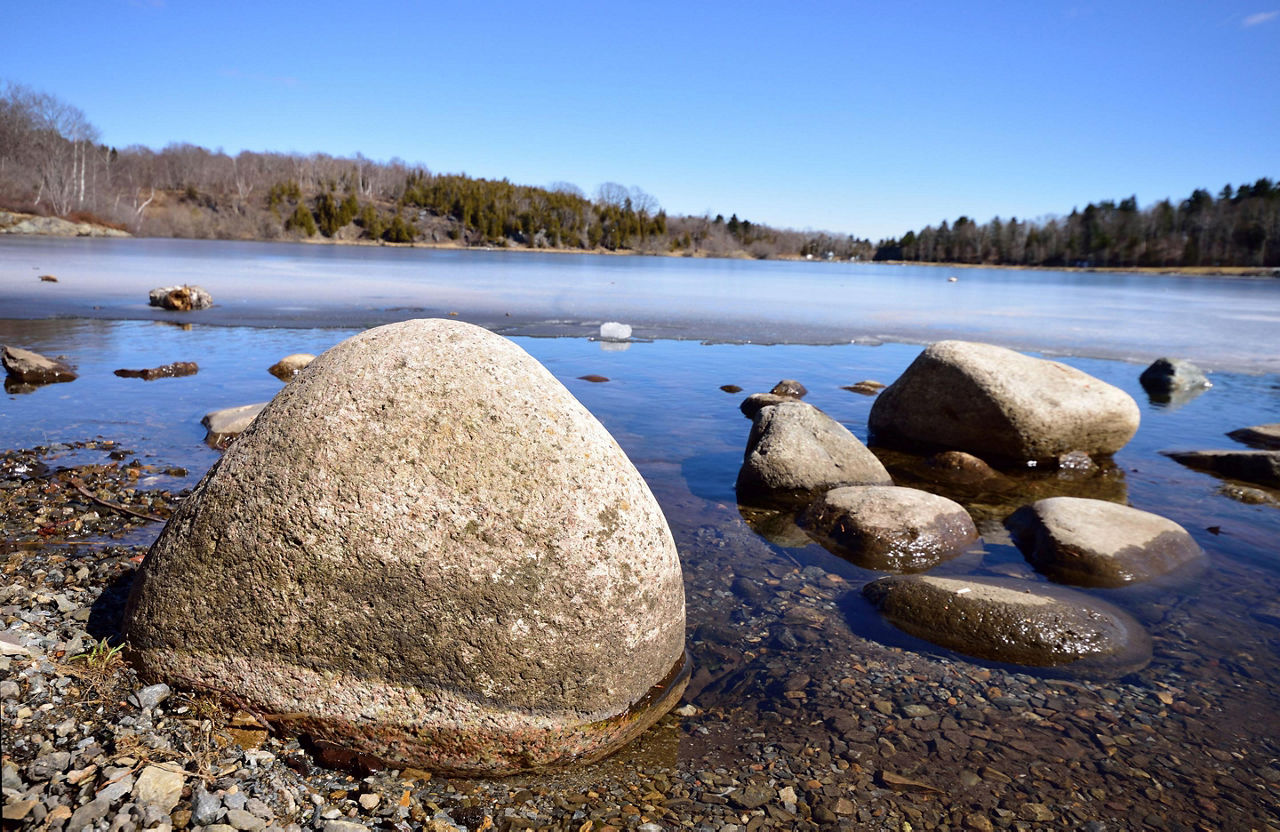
862	118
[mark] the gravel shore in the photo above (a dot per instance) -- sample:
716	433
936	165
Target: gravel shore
798	716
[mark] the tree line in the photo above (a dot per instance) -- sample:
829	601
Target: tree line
52	162
1239	227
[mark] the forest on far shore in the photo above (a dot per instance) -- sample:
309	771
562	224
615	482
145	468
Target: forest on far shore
52	163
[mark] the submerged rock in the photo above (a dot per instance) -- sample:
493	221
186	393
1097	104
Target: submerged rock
174	370
286	368
1264	437
1168	376
429	553
34	368
225	425
1013	621
1096	543
889	528
180	298
992	401
865	388
1260	467
795	451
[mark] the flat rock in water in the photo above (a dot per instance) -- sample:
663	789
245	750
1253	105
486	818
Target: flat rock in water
175	370
995	402
1265	437
286	368
1167	376
427	553
795	451
224	425
1259	467
889	528
34	368
180	298
789	388
1086	542
1013	621
866	388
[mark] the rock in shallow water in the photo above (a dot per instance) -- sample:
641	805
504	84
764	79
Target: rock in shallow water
1167	376
180	298
1264	437
889	528
431	554
989	400
1260	467
286	368
34	368
1013	621
225	425
1086	542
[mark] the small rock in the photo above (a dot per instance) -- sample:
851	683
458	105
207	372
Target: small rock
593	377
158	786
113	791
1035	812
369	801
865	388
344	826
91	812
1258	467
751	796
48	278
286	368
1264	437
1166	376
789	388
180	298
731	388
34	368
206	808
245	821
150	696
224	425
175	370
47	765
16	810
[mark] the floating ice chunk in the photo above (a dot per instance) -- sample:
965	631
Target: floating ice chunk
614	331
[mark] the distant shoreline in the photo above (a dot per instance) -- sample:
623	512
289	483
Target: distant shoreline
1169	271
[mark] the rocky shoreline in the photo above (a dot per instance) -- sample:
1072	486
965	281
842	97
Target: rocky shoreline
796	717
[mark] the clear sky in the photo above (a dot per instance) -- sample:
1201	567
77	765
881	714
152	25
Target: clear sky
855	117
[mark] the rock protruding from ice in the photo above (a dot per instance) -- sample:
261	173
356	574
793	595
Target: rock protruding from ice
614	331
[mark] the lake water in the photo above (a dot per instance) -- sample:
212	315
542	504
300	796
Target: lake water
702	324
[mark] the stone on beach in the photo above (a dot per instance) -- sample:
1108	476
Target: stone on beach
1259	467
286	368
224	425
889	528
1168	376
1013	621
34	368
431	554
795	451
989	400
1264	437
180	298
1086	542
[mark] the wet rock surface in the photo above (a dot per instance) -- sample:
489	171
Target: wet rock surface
795	451
175	370
33	368
1259	467
1097	543
1167	376
1264	437
988	400
790	705
889	528
286	368
1012	621
224	425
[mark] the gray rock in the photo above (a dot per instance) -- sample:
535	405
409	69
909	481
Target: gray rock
344	826
752	404
866	387
1086	542
206	808
751	796
118	789
995	402
235	800
889	528
795	451
1167	376
10	778
245	821
158	786
91	812
1265	437
1259	467
431	554
1013	621
224	425
49	764
150	696
180	298
286	368
789	388
34	368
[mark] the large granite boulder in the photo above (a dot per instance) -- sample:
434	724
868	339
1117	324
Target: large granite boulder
995	402
1013	621
426	551
795	451
889	528
1085	542
1167	377
34	368
1260	467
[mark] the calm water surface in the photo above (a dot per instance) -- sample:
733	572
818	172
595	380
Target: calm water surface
662	401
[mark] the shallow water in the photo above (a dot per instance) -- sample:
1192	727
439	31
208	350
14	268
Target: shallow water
663	403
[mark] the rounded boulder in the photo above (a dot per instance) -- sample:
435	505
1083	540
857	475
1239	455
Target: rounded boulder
889	528
1076	540
1013	621
992	401
425	551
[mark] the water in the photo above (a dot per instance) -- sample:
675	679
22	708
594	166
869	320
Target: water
664	404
